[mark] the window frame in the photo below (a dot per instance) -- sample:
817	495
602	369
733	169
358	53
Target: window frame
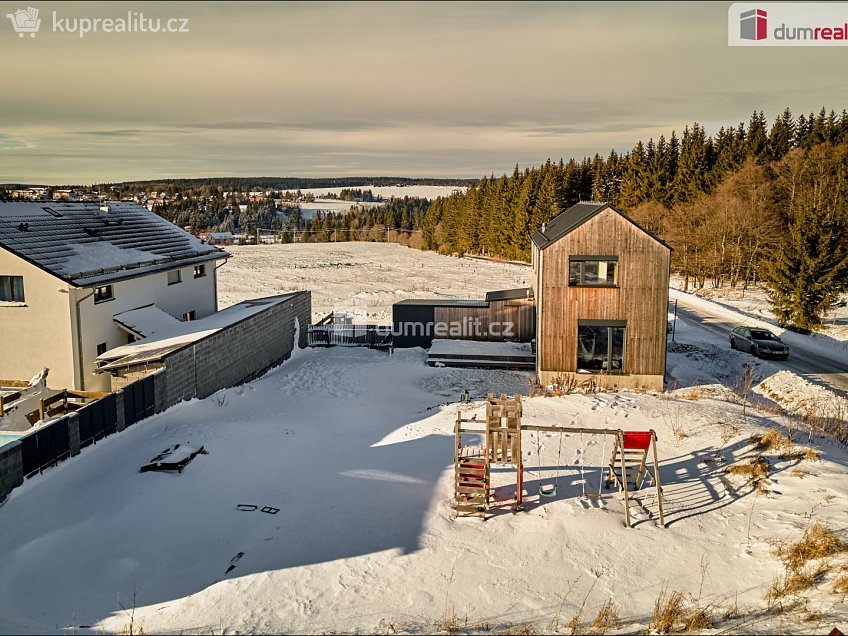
202	268
179	274
11	278
98	298
190	315
102	348
572	260
609	325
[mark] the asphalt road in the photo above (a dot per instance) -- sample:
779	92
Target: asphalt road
809	362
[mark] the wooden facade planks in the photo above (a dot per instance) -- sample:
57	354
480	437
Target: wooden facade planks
641	297
487	323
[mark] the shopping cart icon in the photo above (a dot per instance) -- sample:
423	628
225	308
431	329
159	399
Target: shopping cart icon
25	21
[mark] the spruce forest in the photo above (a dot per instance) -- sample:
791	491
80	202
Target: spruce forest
753	203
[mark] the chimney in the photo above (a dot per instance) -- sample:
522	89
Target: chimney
104	207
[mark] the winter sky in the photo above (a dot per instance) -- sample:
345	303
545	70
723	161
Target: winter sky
415	89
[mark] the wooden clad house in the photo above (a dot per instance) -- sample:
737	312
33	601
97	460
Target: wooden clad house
601	289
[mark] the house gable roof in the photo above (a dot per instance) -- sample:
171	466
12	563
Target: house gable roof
84	244
575	216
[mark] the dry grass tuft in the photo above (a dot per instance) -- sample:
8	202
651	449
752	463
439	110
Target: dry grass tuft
668	612
818	541
840	586
800	474
607	618
772	439
756	471
450	624
813	617
522	630
757	468
810	454
697	621
793	582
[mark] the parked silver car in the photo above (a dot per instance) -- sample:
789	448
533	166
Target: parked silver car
762	343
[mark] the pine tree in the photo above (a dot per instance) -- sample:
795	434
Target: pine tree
692	177
634	183
757	140
809	271
781	135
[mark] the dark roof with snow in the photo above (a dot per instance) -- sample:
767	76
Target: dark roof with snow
510	294
575	216
85	244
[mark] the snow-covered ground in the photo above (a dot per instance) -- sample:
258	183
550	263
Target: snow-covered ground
753	303
362	278
349	453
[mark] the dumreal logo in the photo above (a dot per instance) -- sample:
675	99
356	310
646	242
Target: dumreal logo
25	21
753	25
788	24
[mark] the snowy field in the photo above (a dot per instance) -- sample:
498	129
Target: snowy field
308	209
350	454
362	278
388	192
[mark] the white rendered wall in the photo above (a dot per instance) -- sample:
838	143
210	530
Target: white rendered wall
36	333
98	326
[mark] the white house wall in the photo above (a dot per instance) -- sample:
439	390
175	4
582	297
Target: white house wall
98	326
36	333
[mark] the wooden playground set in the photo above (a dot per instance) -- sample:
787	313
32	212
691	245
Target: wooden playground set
628	464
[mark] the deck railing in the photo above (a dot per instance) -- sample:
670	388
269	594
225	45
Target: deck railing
371	336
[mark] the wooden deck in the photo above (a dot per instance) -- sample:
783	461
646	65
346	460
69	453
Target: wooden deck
485	355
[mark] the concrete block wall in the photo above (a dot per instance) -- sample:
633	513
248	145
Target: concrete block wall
11	469
237	354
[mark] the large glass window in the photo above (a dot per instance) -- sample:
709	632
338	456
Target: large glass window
12	289
593	271
600	347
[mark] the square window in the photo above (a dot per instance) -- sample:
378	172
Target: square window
189	316
174	277
199	271
102	294
12	289
600	348
101	348
593	271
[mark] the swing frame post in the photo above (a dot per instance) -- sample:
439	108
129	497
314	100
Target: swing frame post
657	477
624	480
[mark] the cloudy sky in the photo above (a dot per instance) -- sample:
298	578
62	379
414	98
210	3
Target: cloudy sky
414	89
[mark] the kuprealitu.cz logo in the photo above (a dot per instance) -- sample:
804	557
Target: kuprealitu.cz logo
27	21
788	24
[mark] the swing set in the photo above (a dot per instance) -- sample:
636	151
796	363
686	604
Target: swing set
628	464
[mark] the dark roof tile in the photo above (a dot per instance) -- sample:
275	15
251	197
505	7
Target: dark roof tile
87	245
